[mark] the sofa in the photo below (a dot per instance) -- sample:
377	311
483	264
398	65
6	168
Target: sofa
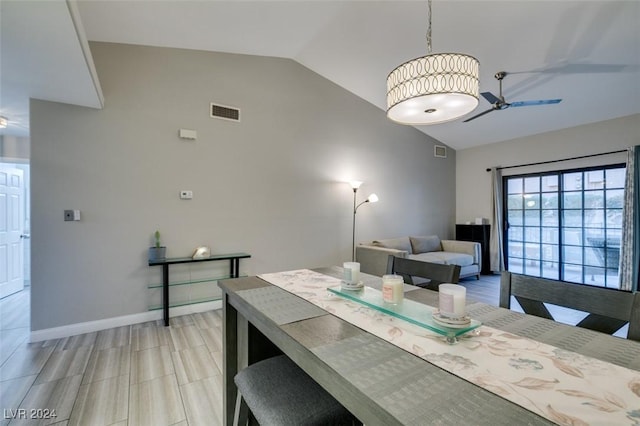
373	256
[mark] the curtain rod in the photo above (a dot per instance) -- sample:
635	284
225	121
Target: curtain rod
557	161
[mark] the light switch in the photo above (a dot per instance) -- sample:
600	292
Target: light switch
186	195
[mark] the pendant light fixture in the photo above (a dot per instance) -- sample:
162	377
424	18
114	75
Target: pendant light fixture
433	89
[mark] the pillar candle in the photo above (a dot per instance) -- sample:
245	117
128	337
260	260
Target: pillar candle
451	300
351	272
392	288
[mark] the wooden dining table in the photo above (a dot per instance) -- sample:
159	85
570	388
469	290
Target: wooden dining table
379	382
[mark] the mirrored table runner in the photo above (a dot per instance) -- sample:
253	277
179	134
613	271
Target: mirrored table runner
407	310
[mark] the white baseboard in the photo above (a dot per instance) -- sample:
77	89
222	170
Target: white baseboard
91	326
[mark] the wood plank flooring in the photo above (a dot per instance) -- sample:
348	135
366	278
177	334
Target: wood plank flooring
143	374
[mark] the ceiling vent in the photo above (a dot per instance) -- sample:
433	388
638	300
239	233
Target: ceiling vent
440	151
224	112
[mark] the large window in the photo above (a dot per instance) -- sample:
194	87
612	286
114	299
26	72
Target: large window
566	225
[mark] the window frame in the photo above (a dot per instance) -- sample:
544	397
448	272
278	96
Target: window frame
560	227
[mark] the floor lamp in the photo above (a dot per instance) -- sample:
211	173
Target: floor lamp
371	199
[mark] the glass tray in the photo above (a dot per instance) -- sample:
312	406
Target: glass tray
408	310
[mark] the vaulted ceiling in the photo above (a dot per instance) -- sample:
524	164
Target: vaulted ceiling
585	52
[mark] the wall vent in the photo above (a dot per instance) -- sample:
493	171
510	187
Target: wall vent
440	151
224	112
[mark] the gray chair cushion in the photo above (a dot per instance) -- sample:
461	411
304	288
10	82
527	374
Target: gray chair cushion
278	392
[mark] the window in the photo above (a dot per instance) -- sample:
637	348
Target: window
566	225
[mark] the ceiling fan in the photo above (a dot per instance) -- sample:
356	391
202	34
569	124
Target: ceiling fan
498	102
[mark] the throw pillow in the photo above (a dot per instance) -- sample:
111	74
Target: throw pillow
401	243
425	244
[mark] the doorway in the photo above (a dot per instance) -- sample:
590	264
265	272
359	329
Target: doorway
15	225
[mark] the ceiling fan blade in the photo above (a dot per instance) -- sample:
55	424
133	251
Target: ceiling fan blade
530	103
490	97
479	115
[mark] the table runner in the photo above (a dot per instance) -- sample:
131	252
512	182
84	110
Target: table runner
562	386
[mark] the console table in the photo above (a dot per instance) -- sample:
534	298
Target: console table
234	269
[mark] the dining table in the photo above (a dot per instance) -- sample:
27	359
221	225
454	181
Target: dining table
512	368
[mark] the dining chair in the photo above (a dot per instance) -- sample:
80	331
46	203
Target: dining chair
279	393
608	309
433	274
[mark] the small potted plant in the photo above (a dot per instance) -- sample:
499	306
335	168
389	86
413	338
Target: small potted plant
157	252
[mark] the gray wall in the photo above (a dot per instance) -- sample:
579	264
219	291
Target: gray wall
14	148
271	185
473	183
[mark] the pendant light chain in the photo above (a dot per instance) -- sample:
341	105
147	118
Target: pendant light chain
429	30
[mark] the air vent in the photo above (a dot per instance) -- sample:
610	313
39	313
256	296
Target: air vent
440	151
225	112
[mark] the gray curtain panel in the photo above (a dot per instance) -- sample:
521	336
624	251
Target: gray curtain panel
630	243
495	242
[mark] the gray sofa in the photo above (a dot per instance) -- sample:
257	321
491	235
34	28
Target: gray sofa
373	256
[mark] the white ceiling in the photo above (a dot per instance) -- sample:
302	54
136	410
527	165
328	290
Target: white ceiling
585	52
41	56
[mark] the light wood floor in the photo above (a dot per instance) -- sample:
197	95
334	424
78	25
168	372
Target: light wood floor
144	374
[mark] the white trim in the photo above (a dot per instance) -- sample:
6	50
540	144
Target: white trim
14	160
74	12
103	324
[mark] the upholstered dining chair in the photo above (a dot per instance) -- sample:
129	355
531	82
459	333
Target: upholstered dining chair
279	393
608	309
432	274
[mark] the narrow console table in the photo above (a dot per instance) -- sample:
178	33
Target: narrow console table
234	270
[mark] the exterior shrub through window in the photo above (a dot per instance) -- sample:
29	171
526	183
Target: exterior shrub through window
566	225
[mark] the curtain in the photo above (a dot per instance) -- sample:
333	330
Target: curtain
630	241
495	242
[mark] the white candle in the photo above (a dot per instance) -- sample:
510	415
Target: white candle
392	288
351	272
451	300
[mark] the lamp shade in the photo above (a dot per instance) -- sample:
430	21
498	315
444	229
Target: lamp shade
433	89
373	198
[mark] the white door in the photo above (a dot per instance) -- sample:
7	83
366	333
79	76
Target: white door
11	227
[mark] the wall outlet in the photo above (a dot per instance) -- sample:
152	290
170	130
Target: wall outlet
186	195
